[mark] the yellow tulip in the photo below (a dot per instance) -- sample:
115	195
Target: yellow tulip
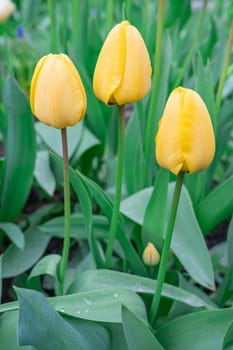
185	140
151	255
123	69
57	95
6	9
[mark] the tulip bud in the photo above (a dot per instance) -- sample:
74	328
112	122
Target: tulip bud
123	69
6	9
185	140
151	255
57	95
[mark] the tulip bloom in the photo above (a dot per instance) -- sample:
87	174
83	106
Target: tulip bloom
123	69
185	140
6	9
151	255
57	95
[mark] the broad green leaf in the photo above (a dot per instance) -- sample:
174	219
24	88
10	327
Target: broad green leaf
20	152
187	243
46	266
52	137
100	305
43	172
137	333
88	141
14	233
199	330
155	215
41	326
179	309
209	212
16	261
105	279
8	332
95	305
55	227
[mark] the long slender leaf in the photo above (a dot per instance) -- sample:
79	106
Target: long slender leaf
20	152
209	212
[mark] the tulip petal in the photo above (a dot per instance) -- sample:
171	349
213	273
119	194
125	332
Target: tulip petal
57	95
185	139
197	138
168	146
110	64
136	80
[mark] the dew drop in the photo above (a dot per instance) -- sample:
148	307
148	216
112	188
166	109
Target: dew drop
78	312
62	310
87	301
115	295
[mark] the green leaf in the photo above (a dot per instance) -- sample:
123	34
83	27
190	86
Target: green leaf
55	227
20	152
209	212
95	111
16	261
46	266
106	205
14	233
0	278
187	242
88	141
95	305
199	330
52	137
155	215
43	172
100	305
105	279
41	326
8	331
137	333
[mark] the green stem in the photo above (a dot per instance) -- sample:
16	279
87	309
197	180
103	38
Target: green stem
52	13
193	44
75	23
64	26
110	14
157	63
66	245
116	206
224	70
166	249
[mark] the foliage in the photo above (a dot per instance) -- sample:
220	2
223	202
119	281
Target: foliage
108	308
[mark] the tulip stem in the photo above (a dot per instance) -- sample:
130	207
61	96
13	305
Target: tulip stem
157	62
166	248
224	70
52	14
66	244
116	205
